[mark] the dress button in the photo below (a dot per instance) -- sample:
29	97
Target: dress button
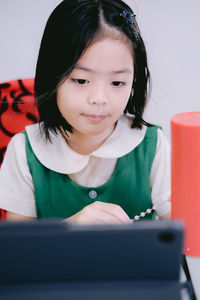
92	194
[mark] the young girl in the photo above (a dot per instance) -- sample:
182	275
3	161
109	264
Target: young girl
87	161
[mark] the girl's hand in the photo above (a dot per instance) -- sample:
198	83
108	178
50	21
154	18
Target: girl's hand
99	213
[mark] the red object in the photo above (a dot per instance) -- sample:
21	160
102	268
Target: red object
185	181
17	110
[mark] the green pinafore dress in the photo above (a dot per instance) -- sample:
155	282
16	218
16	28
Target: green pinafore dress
57	196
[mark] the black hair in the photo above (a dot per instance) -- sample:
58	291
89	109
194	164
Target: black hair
69	31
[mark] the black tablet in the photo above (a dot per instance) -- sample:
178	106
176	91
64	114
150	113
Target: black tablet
54	260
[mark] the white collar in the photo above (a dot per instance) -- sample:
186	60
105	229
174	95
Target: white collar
59	157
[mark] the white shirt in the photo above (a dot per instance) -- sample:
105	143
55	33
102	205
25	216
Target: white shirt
92	170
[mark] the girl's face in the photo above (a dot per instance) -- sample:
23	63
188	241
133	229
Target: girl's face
96	92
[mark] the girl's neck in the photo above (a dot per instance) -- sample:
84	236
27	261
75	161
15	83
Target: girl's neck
86	144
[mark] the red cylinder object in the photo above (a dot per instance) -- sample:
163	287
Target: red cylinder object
185	177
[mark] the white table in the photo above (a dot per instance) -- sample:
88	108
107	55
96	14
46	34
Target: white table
194	269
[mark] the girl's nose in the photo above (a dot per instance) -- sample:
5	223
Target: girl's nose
98	101
98	97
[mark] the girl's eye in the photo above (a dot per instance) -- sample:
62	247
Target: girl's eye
118	83
80	81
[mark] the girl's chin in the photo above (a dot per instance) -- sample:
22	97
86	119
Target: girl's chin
92	130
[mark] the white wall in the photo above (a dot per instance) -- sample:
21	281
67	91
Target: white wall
169	28
21	27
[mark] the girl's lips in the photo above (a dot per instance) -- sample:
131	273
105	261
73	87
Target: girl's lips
96	117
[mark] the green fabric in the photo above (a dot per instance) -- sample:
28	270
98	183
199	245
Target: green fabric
56	195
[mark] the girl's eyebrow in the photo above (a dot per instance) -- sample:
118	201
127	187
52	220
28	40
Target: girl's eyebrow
79	67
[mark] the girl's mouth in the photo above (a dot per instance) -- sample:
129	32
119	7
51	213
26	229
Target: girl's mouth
96	117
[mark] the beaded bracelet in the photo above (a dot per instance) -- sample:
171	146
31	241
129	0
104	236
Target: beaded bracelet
148	211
